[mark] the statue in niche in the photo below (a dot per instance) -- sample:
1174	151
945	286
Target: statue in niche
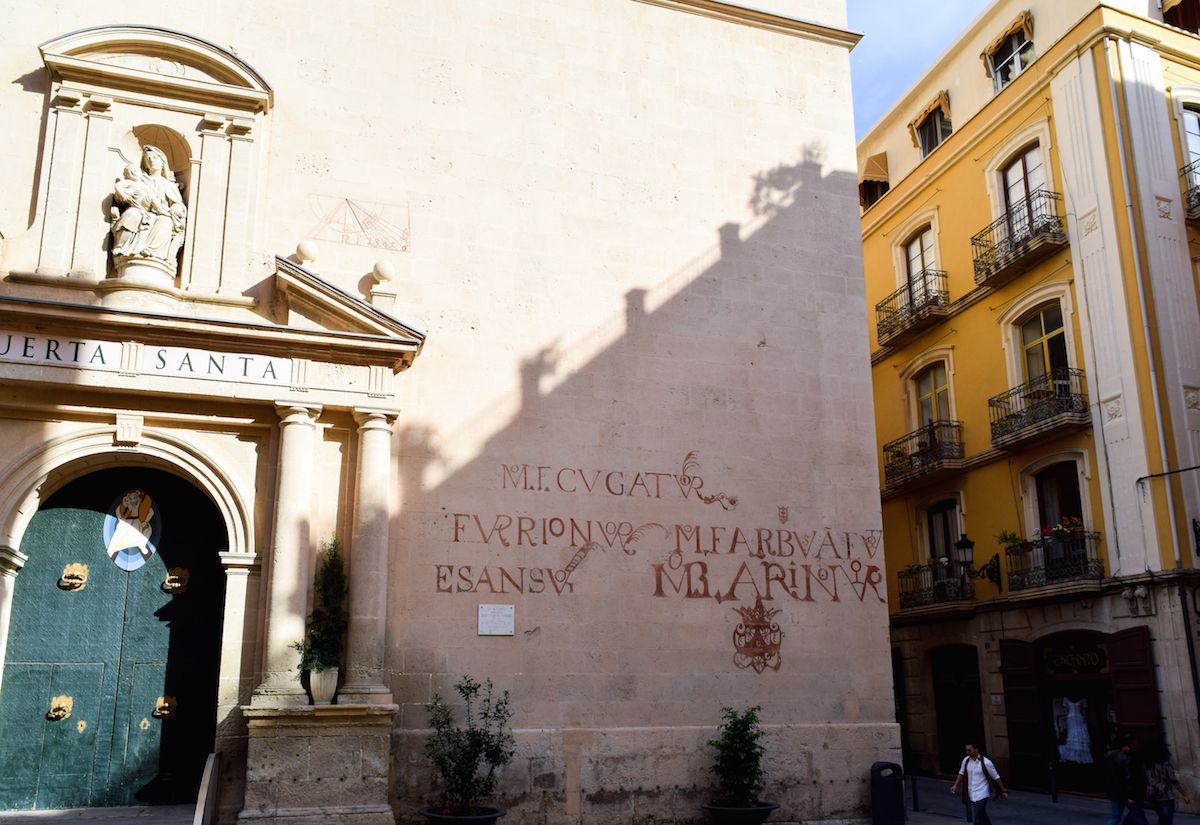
151	217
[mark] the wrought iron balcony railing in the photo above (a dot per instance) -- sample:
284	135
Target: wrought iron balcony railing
1191	189
935	582
1048	401
925	297
936	446
1058	558
1029	230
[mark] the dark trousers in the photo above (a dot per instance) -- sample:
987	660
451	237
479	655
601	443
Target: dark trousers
1128	813
979	814
1166	812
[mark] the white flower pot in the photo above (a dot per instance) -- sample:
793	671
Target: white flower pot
323	685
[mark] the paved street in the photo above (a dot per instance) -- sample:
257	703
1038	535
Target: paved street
938	807
157	815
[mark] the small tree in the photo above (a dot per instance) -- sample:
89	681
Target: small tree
466	757
738	764
321	647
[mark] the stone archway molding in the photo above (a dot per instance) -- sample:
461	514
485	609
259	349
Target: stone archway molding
32	476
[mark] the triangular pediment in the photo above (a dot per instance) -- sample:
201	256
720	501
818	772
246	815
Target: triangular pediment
332	308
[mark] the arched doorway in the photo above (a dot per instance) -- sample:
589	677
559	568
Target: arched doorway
957	702
109	689
1068	694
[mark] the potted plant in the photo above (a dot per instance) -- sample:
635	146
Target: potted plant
321	647
738	767
466	756
1007	538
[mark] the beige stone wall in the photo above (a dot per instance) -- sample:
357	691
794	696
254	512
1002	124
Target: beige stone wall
644	402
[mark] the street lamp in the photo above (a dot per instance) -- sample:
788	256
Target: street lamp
964	550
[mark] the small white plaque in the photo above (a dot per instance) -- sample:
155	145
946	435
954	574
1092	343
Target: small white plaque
996	699
497	619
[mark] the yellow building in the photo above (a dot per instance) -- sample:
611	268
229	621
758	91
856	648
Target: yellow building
1030	250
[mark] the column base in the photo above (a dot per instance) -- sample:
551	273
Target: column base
318	764
334	815
279	690
364	694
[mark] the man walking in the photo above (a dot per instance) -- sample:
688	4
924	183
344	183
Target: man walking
981	777
1125	781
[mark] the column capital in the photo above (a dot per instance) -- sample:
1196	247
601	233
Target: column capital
370	418
11	560
296	412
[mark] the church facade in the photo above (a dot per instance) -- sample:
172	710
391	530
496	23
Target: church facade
549	316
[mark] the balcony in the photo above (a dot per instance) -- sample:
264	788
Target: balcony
1061	557
1191	189
1029	231
1048	405
920	303
930	452
935	583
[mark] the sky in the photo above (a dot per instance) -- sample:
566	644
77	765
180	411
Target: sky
901	39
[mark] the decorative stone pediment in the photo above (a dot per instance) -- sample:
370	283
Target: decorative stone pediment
150	170
144	59
332	308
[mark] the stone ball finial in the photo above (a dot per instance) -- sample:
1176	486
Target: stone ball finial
307	251
384	271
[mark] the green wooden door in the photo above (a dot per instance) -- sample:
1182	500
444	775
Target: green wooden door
109	690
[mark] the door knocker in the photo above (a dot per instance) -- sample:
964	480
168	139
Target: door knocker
176	582
60	708
74	577
164	708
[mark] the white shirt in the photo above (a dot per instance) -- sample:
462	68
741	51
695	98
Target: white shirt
977	784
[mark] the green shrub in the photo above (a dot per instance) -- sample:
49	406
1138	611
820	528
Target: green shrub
466	757
321	647
738	764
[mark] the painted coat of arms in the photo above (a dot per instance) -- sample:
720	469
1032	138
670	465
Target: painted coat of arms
757	639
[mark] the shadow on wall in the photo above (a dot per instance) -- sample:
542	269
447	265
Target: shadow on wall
712	400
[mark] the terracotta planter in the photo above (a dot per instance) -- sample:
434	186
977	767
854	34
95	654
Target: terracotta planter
322	684
725	814
480	815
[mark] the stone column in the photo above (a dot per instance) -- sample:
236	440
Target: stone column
369	561
61	205
291	556
11	562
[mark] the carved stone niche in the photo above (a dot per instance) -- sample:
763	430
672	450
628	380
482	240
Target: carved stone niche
149	169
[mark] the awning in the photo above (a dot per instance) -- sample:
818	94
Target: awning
942	101
1167	5
1023	22
875	168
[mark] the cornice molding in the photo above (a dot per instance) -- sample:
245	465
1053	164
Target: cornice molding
107	323
759	19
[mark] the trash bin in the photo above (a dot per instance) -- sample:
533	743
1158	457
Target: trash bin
887	794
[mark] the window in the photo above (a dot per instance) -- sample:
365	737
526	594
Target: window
931	125
933	395
1058	493
918	252
1010	58
1011	52
870	191
1043	342
1023	176
1020	180
1182	15
941	521
873	182
932	130
1191	131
